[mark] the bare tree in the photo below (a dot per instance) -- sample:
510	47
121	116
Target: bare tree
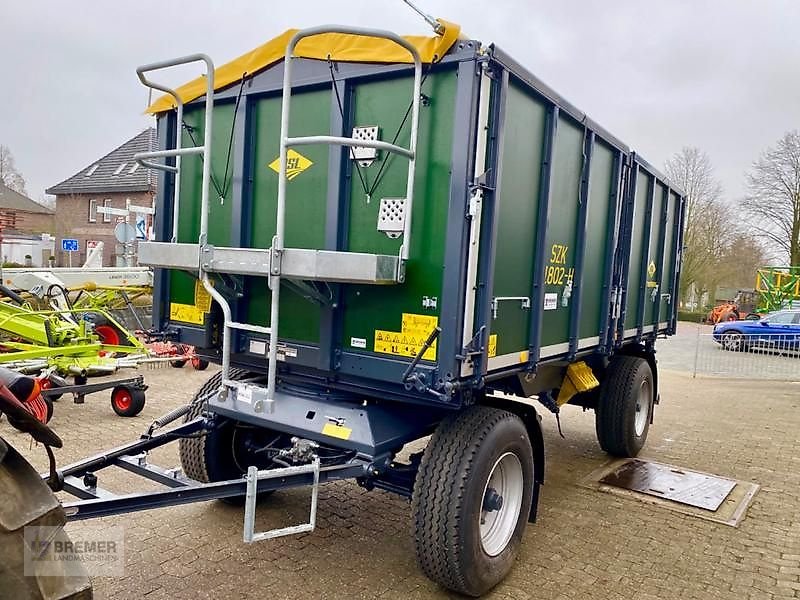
705	237
773	201
9	175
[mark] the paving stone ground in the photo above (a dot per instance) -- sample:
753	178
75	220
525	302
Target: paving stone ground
587	544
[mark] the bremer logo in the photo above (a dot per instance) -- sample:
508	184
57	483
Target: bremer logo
296	163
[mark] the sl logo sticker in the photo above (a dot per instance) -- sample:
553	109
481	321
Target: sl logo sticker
296	163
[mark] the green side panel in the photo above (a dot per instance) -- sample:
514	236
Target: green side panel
638	246
306	199
182	284
601	188
384	103
517	213
669	260
559	259
653	258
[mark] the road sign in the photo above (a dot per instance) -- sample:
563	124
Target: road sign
141	210
141	227
110	210
125	233
69	245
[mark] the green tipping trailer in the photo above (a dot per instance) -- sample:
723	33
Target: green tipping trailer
446	236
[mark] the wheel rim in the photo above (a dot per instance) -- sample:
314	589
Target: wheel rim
642	408
122	399
107	334
502	499
733	341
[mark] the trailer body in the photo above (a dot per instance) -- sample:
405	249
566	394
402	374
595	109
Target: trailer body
537	236
376	252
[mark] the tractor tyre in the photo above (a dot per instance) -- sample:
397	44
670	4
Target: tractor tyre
25	503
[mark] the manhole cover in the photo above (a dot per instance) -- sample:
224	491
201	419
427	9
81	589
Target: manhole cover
664	481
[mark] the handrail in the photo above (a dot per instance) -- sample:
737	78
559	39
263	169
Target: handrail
286	142
178	151
311	140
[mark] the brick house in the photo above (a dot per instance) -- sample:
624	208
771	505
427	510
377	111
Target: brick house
116	181
29	216
30	221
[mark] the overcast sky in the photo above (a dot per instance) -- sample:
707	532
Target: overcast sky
722	75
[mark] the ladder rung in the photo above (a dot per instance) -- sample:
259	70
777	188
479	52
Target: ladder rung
311	140
249	327
169	153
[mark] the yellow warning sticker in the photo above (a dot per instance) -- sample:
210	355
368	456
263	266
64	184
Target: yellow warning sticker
296	163
651	268
414	330
492	345
202	299
186	313
337	431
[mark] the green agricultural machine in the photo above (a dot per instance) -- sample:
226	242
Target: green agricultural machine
384	238
778	288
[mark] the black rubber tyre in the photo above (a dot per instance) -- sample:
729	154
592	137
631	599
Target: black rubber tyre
127	401
26	501
449	495
625	392
198	364
213	457
177	364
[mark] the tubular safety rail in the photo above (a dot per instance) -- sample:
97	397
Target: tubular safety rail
207	255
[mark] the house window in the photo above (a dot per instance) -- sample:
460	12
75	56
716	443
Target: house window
119	169
92	210
106	216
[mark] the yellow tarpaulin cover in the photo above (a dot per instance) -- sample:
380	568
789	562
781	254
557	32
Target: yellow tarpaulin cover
337	46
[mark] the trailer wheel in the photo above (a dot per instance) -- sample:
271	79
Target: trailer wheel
221	453
471	500
177	364
127	401
198	364
625	408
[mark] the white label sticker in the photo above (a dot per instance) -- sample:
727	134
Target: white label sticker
258	347
284	351
551	301
358	342
244	393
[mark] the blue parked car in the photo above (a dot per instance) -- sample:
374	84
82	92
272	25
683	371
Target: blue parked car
779	330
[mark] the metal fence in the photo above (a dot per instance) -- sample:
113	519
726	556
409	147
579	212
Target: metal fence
774	356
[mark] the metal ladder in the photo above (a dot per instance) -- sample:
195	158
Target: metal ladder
277	262
145	158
